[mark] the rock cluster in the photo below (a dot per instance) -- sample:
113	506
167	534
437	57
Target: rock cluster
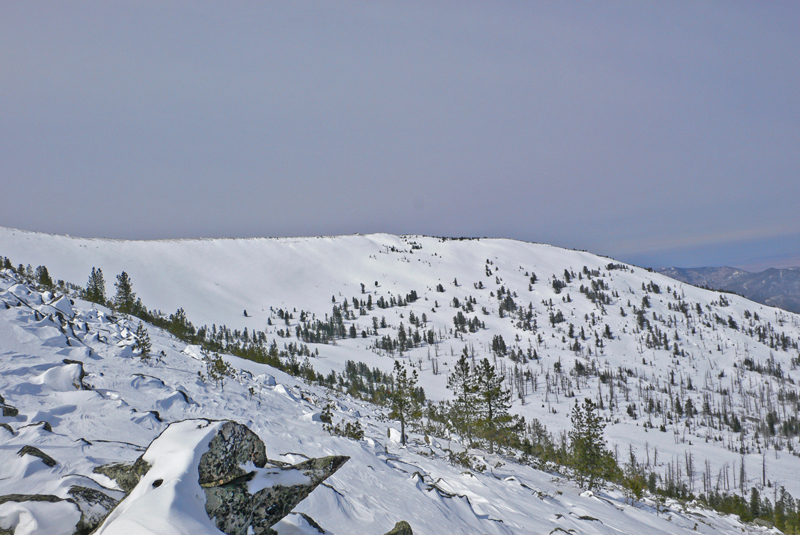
228	483
245	492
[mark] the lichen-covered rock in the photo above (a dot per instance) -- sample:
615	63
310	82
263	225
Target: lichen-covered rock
234	447
10	411
30	498
401	528
244	491
127	475
265	496
36	452
94	506
45	425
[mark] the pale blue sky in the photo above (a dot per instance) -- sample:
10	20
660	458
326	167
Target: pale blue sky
663	133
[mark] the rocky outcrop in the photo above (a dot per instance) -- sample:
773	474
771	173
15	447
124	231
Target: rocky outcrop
94	506
36	452
245	491
235	509
79	384
401	528
8	410
127	475
234	447
45	425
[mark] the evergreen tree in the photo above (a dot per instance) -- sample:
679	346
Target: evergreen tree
217	369
180	326
462	382
43	277
125	299
142	343
96	287
755	503
494	422
404	398
588	453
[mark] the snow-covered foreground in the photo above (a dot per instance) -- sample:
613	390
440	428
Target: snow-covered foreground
84	399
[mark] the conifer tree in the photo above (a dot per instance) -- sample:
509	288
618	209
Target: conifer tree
142	343
404	398
588	453
494	422
218	370
96	287
43	277
125	299
462	382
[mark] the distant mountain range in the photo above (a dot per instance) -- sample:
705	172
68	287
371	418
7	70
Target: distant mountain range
773	287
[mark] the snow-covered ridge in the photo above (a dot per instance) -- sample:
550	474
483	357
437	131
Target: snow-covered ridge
642	337
83	399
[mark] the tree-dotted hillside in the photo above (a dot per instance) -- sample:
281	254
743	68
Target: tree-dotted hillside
694	387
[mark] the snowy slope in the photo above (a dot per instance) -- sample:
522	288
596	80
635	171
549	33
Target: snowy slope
112	411
715	334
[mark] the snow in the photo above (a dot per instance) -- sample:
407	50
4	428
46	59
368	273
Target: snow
131	402
271	476
59	379
168	499
37	518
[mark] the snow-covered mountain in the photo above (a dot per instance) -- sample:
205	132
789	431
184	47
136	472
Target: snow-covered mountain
573	324
773	287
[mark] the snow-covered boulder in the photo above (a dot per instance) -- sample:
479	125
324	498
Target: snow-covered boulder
64	306
203	477
265	379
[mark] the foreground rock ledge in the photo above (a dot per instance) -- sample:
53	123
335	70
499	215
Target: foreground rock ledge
242	491
237	499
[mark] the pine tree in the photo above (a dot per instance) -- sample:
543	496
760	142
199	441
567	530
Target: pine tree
404	398
43	277
125	299
142	343
217	369
755	503
462	382
494	422
96	287
588	453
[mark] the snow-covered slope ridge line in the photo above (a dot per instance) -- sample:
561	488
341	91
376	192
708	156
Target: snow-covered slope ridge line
559	324
106	405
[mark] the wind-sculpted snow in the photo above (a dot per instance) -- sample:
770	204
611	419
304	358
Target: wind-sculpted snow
125	403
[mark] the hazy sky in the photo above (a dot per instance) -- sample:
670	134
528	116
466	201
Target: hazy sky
662	133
